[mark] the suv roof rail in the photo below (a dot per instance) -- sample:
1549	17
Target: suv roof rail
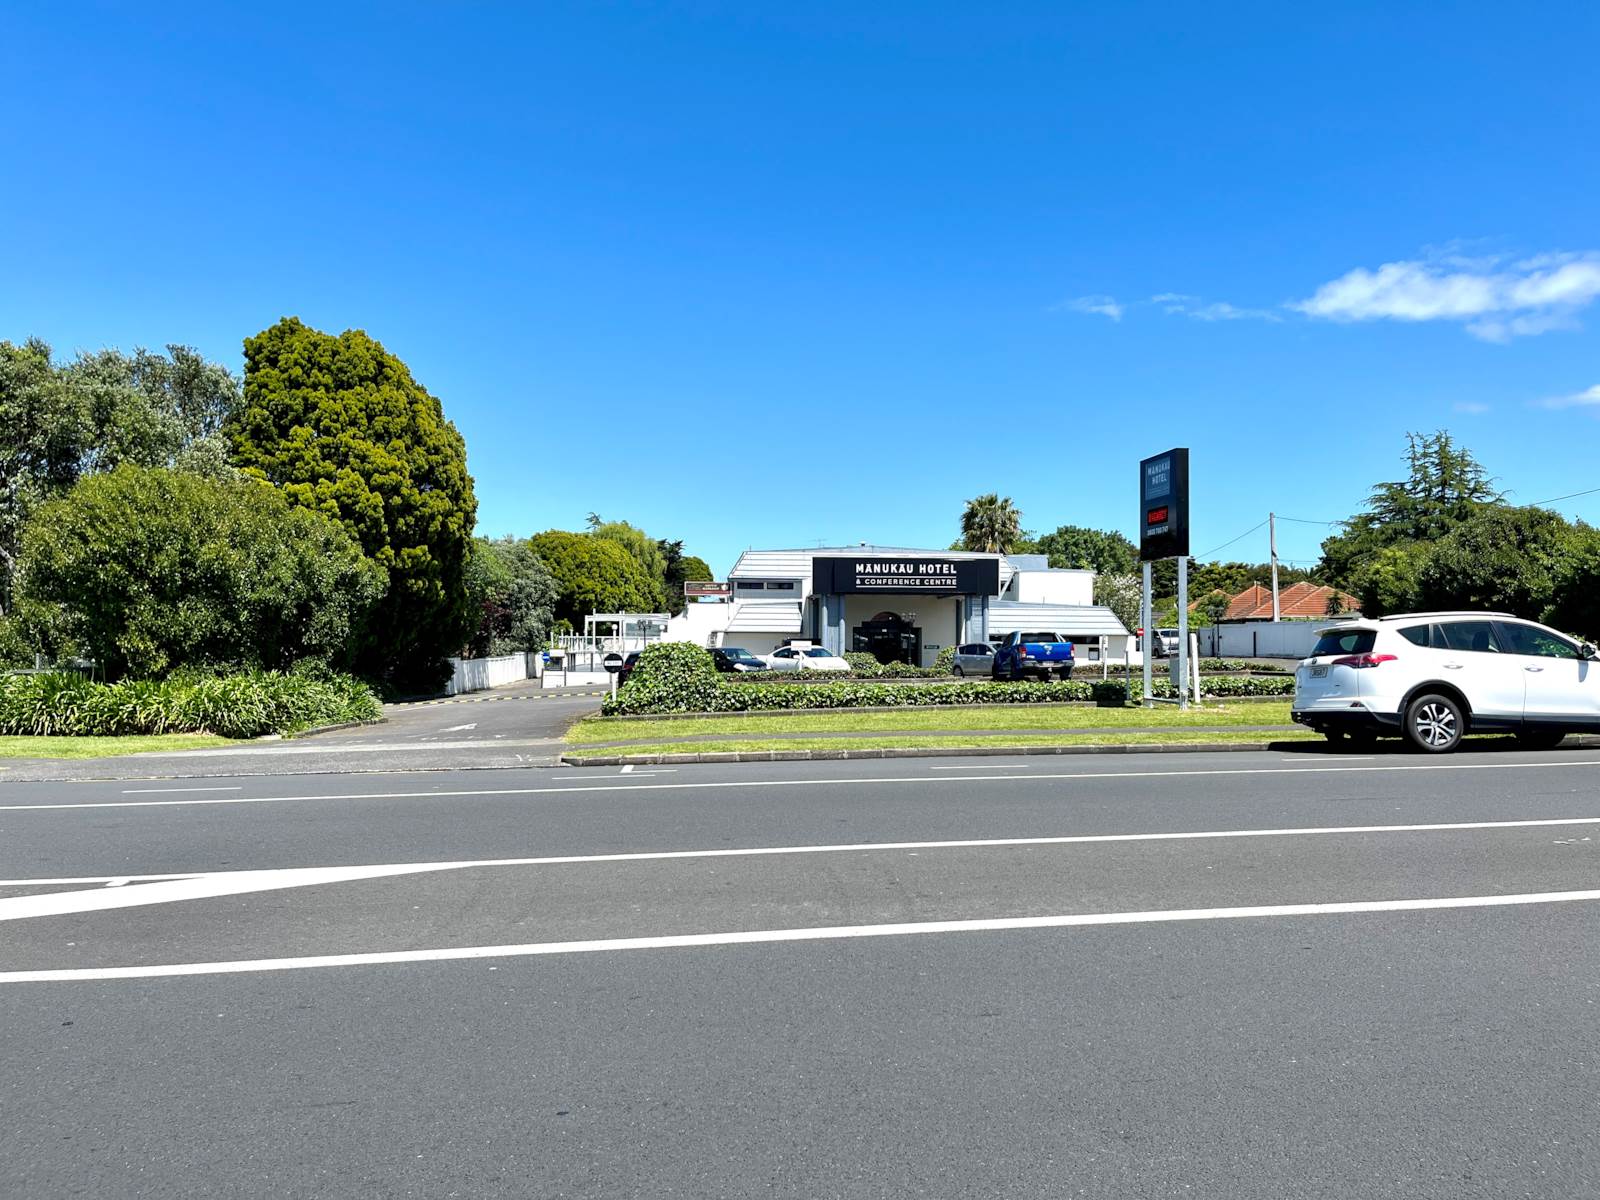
1462	612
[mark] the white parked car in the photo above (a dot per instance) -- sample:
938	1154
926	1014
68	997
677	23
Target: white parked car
1434	677
809	658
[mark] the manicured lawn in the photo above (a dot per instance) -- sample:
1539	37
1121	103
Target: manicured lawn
952	717
100	747
953	740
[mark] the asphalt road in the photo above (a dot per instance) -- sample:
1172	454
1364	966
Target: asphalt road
1242	975
514	726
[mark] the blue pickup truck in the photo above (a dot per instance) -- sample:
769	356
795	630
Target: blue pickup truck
1041	654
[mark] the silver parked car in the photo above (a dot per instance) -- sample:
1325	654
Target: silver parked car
974	658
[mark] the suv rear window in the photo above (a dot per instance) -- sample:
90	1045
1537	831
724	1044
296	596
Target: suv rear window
1345	641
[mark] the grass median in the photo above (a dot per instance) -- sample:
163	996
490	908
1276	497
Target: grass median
104	747
940	742
954	719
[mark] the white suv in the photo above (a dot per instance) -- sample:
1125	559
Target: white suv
1433	677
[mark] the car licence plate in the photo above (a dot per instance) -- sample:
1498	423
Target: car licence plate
1319	672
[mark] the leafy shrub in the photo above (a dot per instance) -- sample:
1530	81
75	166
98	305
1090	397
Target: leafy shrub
246	705
149	570
1110	695
862	666
1228	666
670	677
681	691
946	661
14	648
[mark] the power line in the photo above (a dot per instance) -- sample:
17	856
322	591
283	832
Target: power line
1568	496
1304	521
1240	538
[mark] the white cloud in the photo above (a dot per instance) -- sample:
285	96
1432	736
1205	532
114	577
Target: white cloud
1178	304
1476	408
1588	398
1497	300
1105	306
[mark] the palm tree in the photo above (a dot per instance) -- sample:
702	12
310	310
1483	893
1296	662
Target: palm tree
991	524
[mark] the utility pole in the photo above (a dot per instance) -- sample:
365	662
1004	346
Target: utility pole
1272	541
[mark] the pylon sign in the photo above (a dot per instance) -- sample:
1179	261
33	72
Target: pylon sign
1164	506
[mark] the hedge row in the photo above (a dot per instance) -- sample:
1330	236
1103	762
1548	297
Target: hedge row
679	677
240	706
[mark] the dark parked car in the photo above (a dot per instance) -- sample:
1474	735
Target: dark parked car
1041	654
628	664
734	660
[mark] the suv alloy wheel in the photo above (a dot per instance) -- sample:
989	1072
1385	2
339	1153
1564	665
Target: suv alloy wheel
1434	723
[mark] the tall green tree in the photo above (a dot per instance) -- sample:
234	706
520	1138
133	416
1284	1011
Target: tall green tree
1080	548
991	524
62	421
1575	597
1444	486
646	551
1502	559
680	568
148	569
344	429
515	594
592	575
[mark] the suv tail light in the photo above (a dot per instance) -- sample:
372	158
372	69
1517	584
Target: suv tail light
1022	650
1364	660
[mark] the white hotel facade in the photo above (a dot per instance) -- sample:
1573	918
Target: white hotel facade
896	602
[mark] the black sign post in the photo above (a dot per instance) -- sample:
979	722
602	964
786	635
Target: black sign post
613	664
1164	533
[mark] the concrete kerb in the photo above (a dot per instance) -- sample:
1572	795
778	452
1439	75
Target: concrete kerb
899	708
305	733
752	756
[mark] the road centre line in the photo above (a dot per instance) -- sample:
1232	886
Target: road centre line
706	785
141	791
986	767
169	889
763	936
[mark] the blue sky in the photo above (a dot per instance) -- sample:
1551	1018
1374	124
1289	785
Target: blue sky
762	274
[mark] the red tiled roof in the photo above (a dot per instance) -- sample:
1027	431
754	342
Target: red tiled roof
1297	600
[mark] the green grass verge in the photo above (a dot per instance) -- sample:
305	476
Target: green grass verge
912	720
101	747
741	745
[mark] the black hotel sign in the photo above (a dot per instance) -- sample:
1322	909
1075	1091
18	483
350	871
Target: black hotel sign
932	576
1164	506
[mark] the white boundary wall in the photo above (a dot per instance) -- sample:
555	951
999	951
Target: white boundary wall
1263	639
477	674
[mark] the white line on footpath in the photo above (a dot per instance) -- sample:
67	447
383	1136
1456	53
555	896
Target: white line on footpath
814	781
168	889
759	936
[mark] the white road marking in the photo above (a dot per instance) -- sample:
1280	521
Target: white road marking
627	769
924	780
197	887
168	889
142	791
460	728
987	767
11	883
761	936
